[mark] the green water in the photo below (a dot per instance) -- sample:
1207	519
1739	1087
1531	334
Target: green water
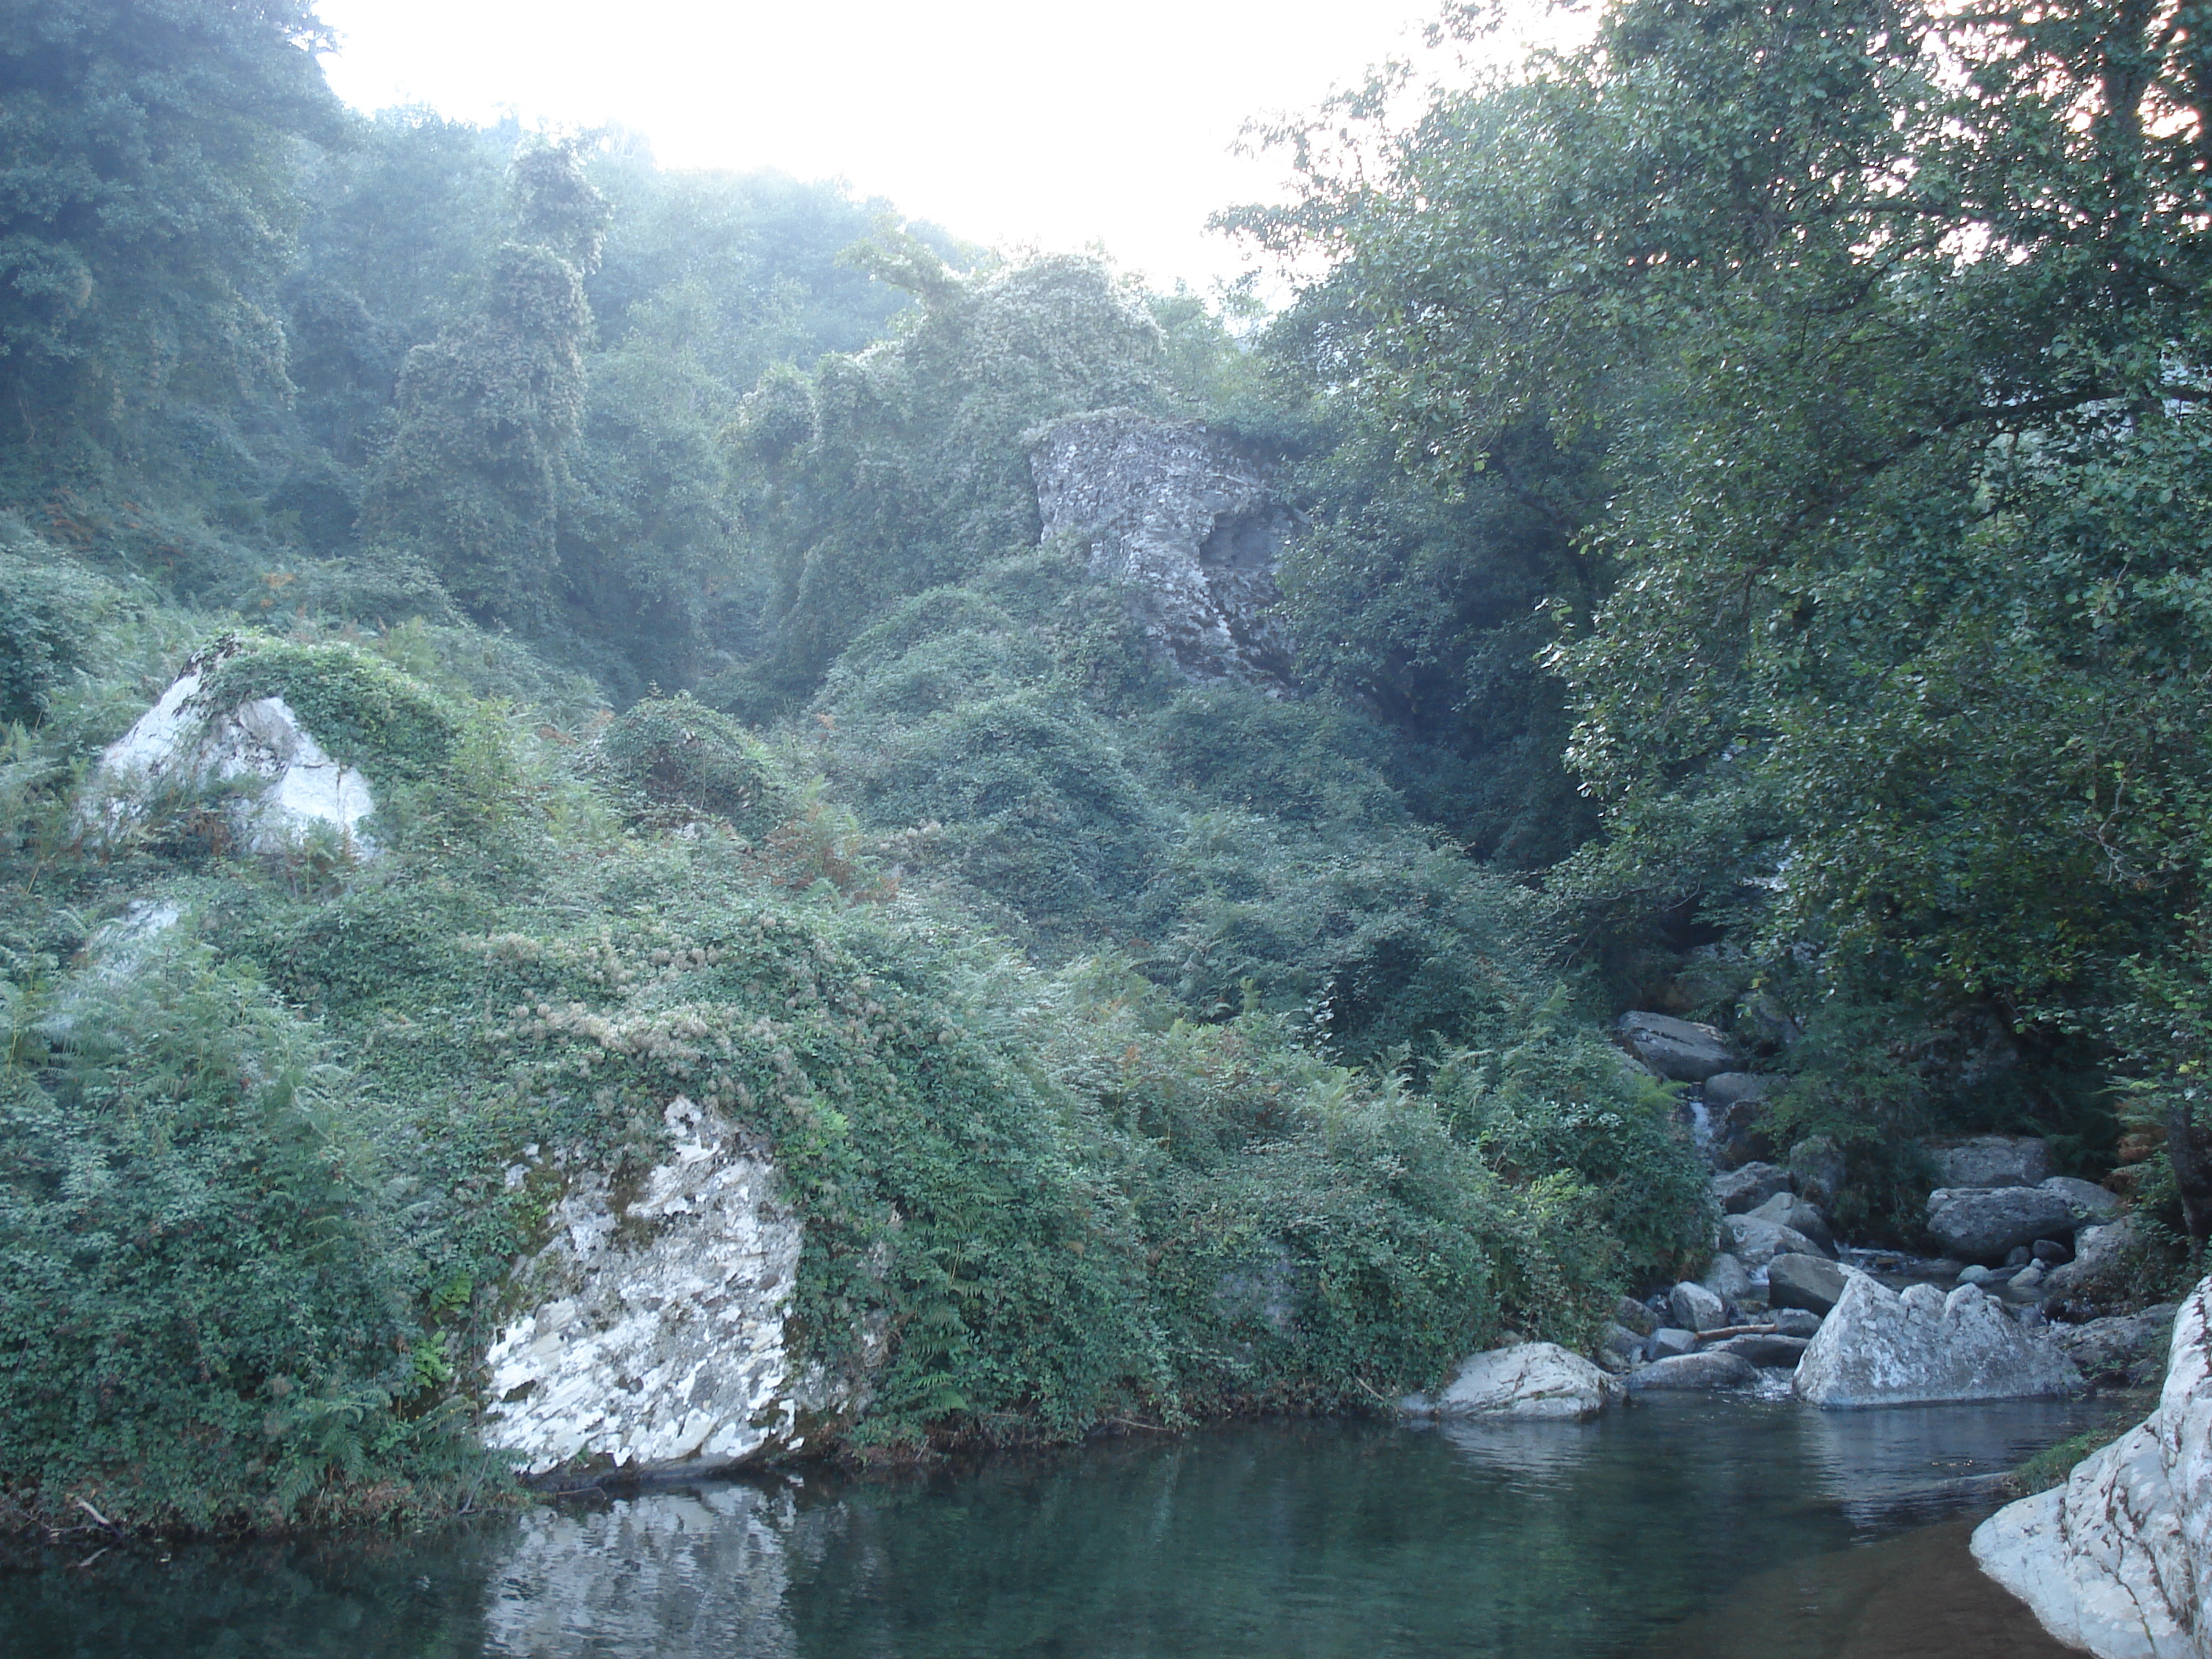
1692	1528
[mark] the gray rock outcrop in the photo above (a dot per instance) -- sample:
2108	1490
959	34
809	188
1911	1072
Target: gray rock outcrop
2118	1560
1985	1224
2090	1201
1188	519
1809	1282
651	1334
1530	1380
1729	1280
1881	1347
2100	1263
1799	1215
1994	1160
2127	1350
1755	1242
1743	1189
278	785
1677	1049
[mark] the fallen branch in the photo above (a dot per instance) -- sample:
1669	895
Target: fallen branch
98	1517
1738	1330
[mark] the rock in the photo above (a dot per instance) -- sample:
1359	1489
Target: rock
1711	1369
1619	1349
2019	1256
1530	1380
1726	1089
652	1339
1809	1282
1730	1280
1818	1167
1880	1348
1800	1215
2050	1251
1741	1190
1976	1275
2028	1278
280	786
1694	1308
1756	1242
2091	1202
1668	1342
1634	1315
1189	521
1797	1322
2100	1263
1676	1049
2121	1350
1981	1224
1736	1113
1778	1351
1994	1161
2118	1560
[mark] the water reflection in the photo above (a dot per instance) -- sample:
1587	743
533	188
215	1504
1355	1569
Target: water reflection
1323	1540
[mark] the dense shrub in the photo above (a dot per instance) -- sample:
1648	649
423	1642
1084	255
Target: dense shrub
49	608
677	752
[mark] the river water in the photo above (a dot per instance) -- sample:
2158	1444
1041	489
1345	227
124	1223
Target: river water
1690	1527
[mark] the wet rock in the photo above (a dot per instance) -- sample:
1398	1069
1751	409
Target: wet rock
1527	1381
1741	1190
1810	1282
1774	1352
1975	1274
1878	1347
1694	1308
1189	521
1735	1112
1756	1242
1817	1168
2100	1261
279	787
1709	1369
1668	1342
2121	1350
1981	1224
1994	1161
2090	1201
652	1339
1730	1280
2118	1560
1677	1049
1800	1215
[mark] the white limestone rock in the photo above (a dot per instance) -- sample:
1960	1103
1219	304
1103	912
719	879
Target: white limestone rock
1881	1347
653	1339
286	789
2118	1560
1530	1380
1189	521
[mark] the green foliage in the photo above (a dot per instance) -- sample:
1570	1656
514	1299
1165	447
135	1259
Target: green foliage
681	754
361	709
49	608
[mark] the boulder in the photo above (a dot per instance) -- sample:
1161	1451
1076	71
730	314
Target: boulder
1818	1168
1744	1190
1628	1311
1676	1049
1669	1340
1797	1322
1879	1348
1800	1215
1736	1113
1983	1224
2123	1350
1730	1280
651	1337
1538	1381
2091	1202
1619	1349
1709	1369
1994	1161
2118	1560
1188	522
2100	1261
278	787
1694	1308
1755	1241
1774	1351
1810	1282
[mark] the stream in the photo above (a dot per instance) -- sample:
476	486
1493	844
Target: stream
1684	1528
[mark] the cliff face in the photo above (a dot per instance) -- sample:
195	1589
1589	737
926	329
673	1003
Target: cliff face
1189	521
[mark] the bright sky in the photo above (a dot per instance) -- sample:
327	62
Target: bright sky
1024	125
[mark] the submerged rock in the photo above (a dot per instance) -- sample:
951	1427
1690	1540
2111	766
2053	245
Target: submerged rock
281	786
653	1339
1879	1348
1539	1380
1186	519
1985	1224
1677	1049
2118	1560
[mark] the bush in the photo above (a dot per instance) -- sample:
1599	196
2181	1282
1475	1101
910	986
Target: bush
677	752
363	710
50	609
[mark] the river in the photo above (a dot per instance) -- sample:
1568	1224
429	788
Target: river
1686	1528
